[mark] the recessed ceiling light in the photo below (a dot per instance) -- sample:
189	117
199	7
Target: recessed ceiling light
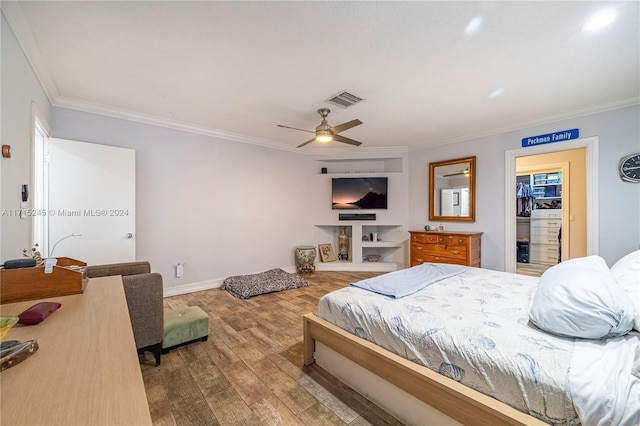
599	21
496	93
474	25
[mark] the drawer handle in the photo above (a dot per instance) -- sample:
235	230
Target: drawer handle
420	259
418	248
456	252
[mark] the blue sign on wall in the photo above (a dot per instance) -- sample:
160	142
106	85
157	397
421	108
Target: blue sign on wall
564	135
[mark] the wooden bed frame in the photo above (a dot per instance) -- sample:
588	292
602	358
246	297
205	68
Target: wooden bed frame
445	395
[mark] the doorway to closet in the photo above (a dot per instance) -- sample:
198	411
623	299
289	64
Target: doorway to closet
542	208
565	198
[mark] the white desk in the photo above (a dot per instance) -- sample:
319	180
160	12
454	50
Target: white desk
86	370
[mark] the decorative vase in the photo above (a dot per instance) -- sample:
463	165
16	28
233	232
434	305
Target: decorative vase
343	245
305	257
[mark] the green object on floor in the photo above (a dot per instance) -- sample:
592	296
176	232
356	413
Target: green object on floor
184	326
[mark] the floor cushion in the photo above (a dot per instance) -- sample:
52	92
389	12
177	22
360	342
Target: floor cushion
246	286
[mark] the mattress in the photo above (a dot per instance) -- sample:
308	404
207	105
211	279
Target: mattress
473	328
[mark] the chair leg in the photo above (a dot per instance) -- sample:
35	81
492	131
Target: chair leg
157	349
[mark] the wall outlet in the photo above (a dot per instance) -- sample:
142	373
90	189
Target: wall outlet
179	270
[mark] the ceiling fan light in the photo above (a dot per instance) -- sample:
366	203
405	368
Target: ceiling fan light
324	135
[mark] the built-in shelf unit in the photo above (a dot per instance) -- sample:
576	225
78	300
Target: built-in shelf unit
391	247
389	244
361	166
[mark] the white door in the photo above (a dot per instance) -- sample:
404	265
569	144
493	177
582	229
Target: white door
464	201
446	202
91	193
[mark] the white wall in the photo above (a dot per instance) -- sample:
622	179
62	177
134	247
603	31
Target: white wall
19	89
223	208
619	202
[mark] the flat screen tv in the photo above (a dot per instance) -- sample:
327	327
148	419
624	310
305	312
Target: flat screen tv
359	193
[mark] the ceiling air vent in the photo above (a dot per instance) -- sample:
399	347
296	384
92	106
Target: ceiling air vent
344	99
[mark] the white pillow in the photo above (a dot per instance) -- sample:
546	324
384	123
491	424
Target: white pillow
627	273
580	298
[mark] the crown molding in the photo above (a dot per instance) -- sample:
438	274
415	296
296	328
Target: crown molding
99	109
23	33
547	120
94	108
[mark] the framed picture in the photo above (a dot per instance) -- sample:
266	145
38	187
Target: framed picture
456	198
326	253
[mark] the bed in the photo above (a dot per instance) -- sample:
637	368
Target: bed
466	345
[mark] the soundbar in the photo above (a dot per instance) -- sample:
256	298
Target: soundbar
357	216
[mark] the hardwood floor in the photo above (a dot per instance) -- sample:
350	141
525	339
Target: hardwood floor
531	269
250	371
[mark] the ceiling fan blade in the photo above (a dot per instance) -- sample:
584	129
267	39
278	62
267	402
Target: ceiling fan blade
306	143
344	126
295	128
339	138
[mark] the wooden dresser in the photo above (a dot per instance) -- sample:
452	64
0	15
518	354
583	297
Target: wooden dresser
461	248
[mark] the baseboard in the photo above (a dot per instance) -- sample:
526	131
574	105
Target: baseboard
204	285
191	288
357	267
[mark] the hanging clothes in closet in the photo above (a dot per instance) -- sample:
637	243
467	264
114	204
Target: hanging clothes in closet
524	199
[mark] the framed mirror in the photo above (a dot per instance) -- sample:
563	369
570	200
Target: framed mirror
452	190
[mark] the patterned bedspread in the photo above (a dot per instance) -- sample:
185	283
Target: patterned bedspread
473	328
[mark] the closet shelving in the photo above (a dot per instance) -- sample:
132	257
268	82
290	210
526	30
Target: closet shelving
539	217
547	189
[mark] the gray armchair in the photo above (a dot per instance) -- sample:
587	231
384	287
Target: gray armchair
143	290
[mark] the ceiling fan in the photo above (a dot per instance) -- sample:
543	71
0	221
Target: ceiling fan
325	133
461	172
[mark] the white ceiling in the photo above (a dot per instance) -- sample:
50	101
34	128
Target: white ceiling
237	69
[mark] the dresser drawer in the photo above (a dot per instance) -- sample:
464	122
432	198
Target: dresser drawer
424	239
546	223
449	240
543	253
418	260
545	232
453	240
546	214
453	252
544	239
